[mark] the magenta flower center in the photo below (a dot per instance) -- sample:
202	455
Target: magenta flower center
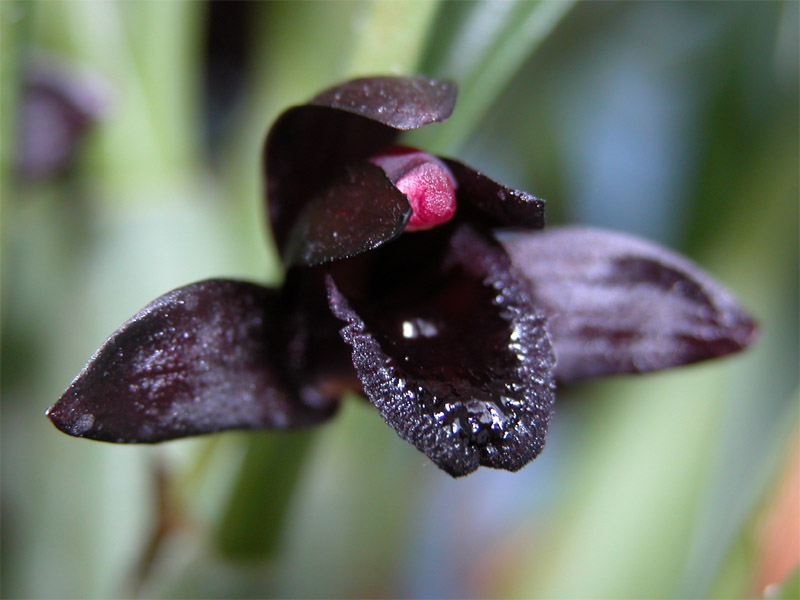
425	180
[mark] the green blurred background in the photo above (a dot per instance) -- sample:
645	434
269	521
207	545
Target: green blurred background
676	121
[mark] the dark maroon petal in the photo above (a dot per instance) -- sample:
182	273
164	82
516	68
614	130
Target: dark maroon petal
199	359
356	212
619	304
317	362
504	206
399	102
448	347
309	146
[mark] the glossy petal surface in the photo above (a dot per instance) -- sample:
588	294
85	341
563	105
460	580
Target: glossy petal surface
495	203
199	359
449	348
619	304
355	213
399	102
311	145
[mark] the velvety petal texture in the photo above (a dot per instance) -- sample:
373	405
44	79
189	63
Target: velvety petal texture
199	359
619	304
449	347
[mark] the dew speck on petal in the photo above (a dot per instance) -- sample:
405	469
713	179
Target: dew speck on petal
83	424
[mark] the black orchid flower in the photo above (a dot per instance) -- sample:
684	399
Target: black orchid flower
404	280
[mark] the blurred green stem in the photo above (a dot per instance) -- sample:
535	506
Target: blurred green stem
253	518
149	55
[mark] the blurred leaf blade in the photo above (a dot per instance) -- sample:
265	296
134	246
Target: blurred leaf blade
392	37
148	57
254	516
750	254
638	461
765	549
790	588
490	44
14	25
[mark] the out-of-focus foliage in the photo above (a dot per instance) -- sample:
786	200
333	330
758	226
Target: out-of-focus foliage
677	121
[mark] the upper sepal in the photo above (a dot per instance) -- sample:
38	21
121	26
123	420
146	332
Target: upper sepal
199	359
619	304
398	102
449	347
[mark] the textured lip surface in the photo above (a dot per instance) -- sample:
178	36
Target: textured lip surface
449	347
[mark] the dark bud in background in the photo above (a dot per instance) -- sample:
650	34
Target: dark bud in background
58	104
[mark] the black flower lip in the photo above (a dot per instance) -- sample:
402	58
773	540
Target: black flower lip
452	333
451	350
